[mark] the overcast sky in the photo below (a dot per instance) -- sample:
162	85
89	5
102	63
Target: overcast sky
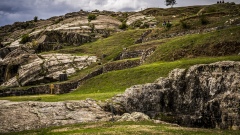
22	10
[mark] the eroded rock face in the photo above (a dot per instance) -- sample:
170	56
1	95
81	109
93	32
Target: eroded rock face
21	67
18	116
50	40
135	116
202	96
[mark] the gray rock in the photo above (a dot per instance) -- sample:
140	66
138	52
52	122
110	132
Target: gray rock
4	51
18	116
135	116
202	96
22	67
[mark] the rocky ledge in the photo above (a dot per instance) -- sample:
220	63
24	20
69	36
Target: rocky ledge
206	95
22	67
201	96
18	116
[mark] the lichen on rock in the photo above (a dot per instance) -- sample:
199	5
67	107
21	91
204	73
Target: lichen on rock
206	95
23	67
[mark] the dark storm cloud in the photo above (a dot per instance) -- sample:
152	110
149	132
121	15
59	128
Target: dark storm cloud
22	10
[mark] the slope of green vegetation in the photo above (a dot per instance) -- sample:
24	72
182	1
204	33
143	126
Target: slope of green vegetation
108	48
125	128
218	43
171	53
109	84
195	17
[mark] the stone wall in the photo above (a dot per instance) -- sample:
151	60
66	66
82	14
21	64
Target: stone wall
91	75
66	87
45	89
121	65
131	54
147	53
59	88
4	92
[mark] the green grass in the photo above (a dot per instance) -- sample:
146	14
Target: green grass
208	44
216	15
125	128
111	46
190	46
109	84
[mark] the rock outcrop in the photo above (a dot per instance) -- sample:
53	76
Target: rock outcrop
18	116
4	51
206	95
140	17
50	40
201	96
135	116
21	67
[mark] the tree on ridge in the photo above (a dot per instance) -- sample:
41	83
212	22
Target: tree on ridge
170	2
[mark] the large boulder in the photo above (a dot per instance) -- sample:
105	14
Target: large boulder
18	116
4	51
202	96
21	67
135	116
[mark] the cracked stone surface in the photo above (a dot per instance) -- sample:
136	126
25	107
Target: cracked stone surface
18	116
22	67
206	95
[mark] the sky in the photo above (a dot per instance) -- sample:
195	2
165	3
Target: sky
24	10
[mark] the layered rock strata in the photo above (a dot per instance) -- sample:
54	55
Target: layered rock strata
21	67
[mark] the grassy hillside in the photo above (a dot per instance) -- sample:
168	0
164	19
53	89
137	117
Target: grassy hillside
110	47
218	43
177	52
109	84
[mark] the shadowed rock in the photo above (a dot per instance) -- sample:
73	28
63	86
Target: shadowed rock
22	67
202	96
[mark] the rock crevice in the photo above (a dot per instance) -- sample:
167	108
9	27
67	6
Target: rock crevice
202	96
23	68
36	115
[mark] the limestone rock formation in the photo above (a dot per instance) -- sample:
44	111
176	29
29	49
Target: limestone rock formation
140	17
18	116
201	96
21	67
4	51
135	116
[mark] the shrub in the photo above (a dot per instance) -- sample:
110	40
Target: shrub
35	19
123	26
25	39
168	25
92	26
184	25
91	17
25	25
58	20
137	23
145	25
